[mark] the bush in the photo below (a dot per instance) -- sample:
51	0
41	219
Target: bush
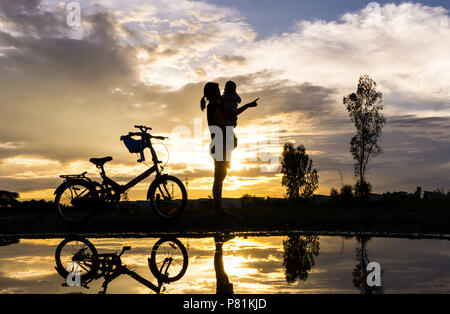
344	196
362	190
247	200
8	199
347	193
334	194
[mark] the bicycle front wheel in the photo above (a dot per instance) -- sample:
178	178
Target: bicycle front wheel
76	200
168	197
169	260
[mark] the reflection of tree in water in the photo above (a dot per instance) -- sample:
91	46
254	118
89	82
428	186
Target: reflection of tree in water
360	271
299	253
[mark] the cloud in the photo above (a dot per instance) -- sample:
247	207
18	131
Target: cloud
28	17
403	47
227	59
67	95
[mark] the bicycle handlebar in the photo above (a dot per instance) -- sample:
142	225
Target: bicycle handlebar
146	137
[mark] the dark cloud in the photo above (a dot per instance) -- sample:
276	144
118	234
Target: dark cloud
28	184
437	127
56	91
283	96
28	17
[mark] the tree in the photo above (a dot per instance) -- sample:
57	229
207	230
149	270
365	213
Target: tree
364	108
8	199
298	257
299	177
418	193
359	274
334	194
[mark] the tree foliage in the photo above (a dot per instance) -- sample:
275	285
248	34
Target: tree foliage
364	108
359	274
8	199
299	254
299	176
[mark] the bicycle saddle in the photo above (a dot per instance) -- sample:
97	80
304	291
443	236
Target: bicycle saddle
99	162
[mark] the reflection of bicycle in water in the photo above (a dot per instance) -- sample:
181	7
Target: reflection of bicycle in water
78	196
168	263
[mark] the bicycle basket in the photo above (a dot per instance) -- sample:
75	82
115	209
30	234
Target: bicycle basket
134	146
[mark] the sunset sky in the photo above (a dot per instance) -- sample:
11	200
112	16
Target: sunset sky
69	93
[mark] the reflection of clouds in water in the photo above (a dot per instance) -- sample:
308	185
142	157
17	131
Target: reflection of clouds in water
253	265
30	274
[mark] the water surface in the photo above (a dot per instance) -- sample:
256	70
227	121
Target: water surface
269	264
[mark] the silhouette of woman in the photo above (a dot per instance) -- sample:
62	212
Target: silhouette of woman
223	284
221	134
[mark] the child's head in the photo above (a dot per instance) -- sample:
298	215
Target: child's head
230	87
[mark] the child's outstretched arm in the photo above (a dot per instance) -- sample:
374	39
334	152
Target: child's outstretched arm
249	105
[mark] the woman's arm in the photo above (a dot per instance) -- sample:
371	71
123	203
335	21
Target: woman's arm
249	105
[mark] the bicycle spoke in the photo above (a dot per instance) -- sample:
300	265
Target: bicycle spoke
74	202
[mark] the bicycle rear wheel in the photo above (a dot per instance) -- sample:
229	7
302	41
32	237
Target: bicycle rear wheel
76	254
169	260
76	200
168	197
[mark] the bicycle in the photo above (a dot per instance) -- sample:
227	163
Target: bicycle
78	196
79	255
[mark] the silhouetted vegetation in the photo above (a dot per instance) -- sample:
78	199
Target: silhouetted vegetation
299	176
359	273
248	200
362	190
9	202
345	196
8	199
299	253
364	108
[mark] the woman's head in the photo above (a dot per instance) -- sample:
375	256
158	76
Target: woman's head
211	92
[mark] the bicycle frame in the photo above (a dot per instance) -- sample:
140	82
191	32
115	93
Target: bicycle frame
160	195
123	188
124	270
109	266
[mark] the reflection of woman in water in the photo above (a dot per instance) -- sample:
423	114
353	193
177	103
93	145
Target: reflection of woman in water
220	150
223	284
